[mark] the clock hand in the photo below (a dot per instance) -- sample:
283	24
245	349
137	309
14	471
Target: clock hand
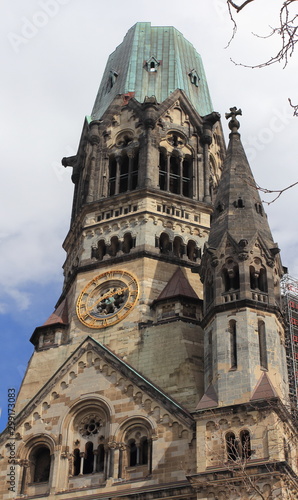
106	296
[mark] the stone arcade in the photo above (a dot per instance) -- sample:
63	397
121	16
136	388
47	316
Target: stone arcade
162	372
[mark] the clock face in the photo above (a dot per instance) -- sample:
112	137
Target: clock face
107	299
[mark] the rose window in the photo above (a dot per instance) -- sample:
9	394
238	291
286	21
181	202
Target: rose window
90	425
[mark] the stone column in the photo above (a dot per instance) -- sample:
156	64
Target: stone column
117	180
130	155
82	455
181	174
168	169
207	197
95	454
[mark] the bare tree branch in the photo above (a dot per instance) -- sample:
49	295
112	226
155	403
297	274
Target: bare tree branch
279	191
294	106
287	30
239	7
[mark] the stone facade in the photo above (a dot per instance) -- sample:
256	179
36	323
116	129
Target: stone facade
161	372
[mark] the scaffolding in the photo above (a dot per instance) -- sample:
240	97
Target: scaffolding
289	290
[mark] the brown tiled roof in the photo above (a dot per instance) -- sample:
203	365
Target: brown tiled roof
209	400
60	315
178	285
264	389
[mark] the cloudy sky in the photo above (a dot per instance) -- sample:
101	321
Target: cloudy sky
53	53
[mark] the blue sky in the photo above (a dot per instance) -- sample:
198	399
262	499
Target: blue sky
53	53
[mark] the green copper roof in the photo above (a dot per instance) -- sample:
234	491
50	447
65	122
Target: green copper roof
176	65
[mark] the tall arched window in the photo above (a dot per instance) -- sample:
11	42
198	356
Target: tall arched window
100	458
175	172
163	170
88	458
133	453
112	175
233	344
186	176
143	451
76	462
258	277
123	169
245	444
230	276
232	447
262	345
40	460
134	170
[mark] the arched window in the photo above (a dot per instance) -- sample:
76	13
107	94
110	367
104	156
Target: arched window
134	170
262	345
175	171
124	171
76	462
112	175
128	243
192	251
100	458
263	280
143	451
230	276
233	344
245	444
101	249
258	277
90	430
138	447
40	459
164	243
178	247
123	168
88	458
232	447
133	452
137	453
186	176
114	246
174	174
163	170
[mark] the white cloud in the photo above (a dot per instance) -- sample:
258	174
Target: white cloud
50	84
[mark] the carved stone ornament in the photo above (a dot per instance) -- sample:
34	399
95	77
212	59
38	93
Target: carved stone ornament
90	425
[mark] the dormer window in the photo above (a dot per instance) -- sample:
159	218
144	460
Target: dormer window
112	80
194	77
152	65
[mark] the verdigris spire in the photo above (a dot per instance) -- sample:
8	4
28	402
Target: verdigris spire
153	61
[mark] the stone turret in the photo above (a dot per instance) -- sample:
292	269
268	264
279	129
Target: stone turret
241	271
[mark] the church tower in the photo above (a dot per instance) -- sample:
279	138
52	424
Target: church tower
245	424
161	371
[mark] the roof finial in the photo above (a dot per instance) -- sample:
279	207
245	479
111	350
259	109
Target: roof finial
233	123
